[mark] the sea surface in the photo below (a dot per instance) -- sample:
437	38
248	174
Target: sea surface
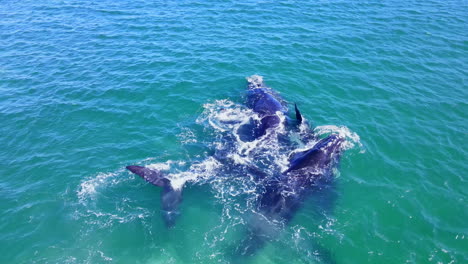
88	87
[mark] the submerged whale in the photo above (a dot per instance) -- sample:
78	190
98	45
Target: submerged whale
170	197
285	193
309	171
281	194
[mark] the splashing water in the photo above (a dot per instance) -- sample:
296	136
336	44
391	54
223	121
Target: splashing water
224	119
234	184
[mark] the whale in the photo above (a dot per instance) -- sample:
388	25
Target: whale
309	172
263	101
269	107
280	195
170	197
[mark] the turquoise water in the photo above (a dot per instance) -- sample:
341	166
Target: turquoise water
87	88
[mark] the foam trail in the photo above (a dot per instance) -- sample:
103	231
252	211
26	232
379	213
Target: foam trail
89	188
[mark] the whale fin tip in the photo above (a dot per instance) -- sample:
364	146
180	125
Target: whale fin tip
298	114
154	177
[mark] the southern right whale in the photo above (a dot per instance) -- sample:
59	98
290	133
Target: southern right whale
280	195
309	171
170	197
268	105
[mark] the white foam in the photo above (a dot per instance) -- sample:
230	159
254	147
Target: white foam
352	138
237	189
187	136
255	79
88	188
164	166
197	171
226	118
106	258
224	115
238	159
178	176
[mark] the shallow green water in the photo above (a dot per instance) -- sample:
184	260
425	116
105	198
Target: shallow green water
87	88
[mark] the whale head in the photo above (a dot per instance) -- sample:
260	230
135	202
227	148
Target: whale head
321	157
255	82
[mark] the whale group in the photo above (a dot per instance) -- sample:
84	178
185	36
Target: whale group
282	193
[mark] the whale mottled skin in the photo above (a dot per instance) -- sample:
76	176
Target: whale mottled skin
267	104
261	98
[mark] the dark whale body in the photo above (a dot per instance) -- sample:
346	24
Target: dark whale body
266	104
309	172
284	194
281	195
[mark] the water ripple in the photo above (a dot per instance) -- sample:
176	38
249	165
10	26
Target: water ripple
87	87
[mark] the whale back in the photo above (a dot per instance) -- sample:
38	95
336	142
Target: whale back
323	155
261	98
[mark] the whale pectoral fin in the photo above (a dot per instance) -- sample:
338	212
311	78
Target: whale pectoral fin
154	177
298	114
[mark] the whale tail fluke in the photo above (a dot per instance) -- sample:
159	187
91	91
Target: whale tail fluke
170	197
154	177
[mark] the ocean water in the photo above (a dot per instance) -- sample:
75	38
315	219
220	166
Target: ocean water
88	87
